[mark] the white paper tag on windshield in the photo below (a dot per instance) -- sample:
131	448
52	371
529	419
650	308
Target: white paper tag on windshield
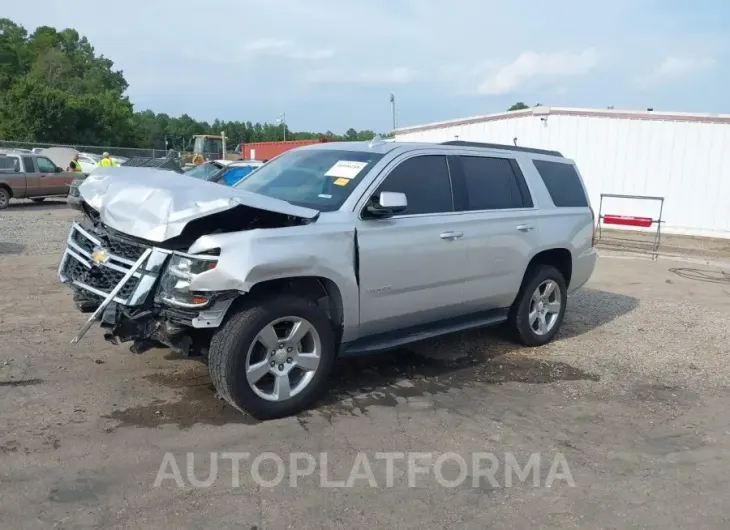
345	169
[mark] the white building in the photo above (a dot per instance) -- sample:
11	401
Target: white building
684	158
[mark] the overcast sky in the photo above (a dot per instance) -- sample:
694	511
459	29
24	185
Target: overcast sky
331	64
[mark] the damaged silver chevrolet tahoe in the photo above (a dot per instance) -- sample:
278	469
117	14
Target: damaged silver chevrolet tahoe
327	250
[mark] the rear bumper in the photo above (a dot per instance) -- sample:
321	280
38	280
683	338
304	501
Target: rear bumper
583	267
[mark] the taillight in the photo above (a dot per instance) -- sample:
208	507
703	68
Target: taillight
593	222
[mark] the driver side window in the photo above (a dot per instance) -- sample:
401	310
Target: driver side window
45	165
426	183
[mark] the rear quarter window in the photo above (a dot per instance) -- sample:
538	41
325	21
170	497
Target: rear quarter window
563	183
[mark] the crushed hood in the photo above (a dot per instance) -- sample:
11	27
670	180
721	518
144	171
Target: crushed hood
156	205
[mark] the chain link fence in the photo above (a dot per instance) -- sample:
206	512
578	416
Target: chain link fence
185	158
131	154
124	152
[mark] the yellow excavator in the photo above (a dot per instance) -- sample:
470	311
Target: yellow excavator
209	147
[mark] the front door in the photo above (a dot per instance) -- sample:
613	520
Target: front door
412	265
52	182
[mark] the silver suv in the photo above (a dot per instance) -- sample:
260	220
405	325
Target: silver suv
330	250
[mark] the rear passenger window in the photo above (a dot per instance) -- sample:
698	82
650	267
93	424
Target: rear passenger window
490	183
425	181
562	182
29	165
9	163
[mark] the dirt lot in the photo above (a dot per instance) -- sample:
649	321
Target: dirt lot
634	394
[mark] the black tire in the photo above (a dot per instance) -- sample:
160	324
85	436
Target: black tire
38	199
4	198
519	322
231	342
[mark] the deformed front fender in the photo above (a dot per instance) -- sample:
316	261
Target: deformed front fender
247	258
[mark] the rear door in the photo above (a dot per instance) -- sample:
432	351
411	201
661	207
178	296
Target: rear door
32	177
52	181
495	201
412	265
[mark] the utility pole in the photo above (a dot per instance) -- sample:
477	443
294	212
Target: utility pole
282	119
392	109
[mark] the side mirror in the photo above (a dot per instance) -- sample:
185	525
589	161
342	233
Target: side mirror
58	169
389	204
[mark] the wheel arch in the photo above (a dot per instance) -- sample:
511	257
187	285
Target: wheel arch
561	258
323	291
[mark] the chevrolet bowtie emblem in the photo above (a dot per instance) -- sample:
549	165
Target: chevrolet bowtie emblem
99	256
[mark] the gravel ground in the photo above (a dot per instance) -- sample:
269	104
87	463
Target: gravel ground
633	393
34	228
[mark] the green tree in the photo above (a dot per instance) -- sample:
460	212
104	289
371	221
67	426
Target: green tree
518	106
12	52
55	88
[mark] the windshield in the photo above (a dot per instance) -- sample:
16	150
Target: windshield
321	179
203	171
206	145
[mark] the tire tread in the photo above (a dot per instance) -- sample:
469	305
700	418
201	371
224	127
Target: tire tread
519	325
227	345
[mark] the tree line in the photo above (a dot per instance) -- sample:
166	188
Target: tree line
54	88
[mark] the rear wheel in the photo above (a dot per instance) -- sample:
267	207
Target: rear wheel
4	198
272	359
538	311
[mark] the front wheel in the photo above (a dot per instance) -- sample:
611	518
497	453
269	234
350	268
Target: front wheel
272	359
538	311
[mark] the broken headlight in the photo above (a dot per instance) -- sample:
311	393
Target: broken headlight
175	282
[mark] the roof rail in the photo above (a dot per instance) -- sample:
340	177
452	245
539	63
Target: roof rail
504	147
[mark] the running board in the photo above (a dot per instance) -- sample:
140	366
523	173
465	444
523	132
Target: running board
394	339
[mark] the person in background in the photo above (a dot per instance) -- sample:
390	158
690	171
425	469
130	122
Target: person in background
75	165
106	161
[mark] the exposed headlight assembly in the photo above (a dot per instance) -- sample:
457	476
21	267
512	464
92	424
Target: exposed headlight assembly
180	272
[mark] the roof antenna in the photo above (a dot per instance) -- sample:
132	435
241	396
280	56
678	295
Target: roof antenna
377	140
514	141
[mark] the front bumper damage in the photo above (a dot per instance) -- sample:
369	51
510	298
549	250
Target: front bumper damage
116	279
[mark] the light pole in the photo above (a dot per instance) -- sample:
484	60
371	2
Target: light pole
392	108
282	119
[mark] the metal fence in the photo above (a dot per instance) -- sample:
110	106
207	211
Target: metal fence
126	152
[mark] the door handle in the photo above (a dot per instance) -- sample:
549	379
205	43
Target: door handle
525	228
450	236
